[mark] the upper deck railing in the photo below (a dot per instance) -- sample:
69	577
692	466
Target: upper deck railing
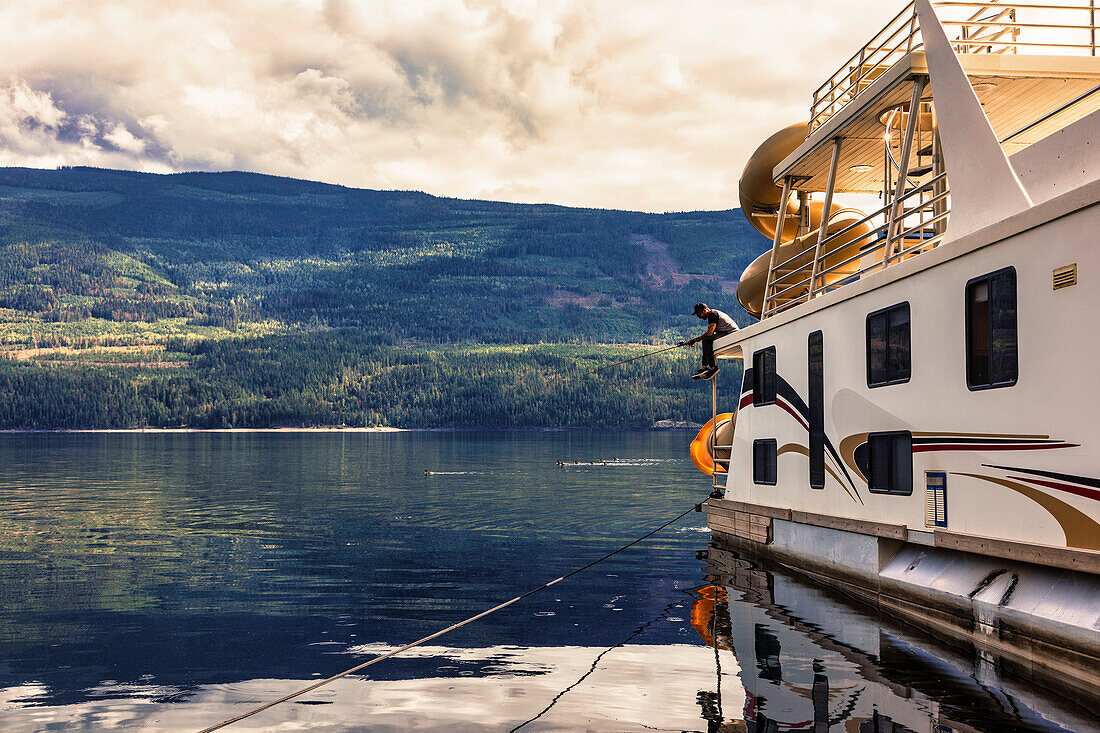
1067	27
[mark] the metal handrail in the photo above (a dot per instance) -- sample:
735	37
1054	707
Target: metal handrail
922	210
798	284
989	27
1022	44
995	4
832	238
787	262
926	186
1043	118
924	225
826	93
1000	34
1015	25
926	244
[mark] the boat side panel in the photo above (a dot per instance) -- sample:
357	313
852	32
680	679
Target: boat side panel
1021	461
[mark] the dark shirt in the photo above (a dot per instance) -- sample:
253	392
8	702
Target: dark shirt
724	325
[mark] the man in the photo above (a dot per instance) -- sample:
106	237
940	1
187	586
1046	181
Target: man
718	324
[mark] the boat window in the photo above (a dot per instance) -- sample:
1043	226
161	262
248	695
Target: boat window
991	352
817	410
889	359
890	462
763	377
764	461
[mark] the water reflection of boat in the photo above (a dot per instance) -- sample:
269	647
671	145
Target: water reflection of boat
811	660
915	421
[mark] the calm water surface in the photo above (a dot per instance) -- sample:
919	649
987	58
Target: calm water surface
169	581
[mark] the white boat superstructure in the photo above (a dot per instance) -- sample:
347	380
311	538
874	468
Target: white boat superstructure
920	387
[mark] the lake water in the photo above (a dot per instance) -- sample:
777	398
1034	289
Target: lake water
170	581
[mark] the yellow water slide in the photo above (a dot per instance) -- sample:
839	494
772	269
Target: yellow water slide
710	451
760	203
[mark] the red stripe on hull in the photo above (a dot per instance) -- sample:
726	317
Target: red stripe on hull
1087	493
793	413
982	448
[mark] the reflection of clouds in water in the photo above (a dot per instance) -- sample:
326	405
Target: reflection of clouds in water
634	687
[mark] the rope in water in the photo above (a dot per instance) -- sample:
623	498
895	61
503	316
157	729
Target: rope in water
438	634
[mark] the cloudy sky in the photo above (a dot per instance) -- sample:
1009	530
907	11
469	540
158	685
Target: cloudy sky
637	105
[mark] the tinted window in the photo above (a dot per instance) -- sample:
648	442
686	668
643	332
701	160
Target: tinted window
991	350
889	357
890	462
763	377
817	410
764	461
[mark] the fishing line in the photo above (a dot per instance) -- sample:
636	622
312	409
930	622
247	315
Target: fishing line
639	356
436	635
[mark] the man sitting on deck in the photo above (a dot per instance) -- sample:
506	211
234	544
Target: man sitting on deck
719	324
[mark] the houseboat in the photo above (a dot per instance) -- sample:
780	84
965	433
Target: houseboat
916	420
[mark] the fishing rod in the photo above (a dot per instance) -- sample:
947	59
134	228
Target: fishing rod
640	356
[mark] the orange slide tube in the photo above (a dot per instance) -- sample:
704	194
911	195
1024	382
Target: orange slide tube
760	201
702	448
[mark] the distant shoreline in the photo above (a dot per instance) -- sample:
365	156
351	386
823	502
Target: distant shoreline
220	430
334	430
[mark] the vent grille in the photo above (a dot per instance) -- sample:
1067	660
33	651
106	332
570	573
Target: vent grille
935	500
1065	276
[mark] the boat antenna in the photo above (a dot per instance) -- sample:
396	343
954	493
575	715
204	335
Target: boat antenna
639	356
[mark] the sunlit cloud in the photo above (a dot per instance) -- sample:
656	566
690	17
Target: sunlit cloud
637	105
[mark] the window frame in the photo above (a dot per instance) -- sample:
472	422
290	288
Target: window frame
758	374
815	395
988	277
773	453
867	336
891	469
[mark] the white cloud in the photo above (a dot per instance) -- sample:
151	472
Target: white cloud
641	105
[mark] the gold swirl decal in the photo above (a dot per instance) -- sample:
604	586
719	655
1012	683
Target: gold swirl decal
804	451
848	452
1081	530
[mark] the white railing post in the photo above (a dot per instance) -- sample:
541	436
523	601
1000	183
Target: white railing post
713	438
823	232
892	224
776	241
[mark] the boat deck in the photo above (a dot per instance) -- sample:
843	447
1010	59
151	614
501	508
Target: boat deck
1034	67
1025	98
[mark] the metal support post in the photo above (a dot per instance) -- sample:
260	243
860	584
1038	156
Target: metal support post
893	226
803	212
937	169
776	241
823	231
714	428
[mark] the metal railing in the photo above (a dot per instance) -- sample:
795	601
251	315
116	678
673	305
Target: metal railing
914	219
1067	27
889	46
920	226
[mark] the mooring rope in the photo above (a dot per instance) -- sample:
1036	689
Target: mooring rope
436	635
596	662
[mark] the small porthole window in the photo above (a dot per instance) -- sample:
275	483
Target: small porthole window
764	461
889	357
890	463
763	377
991	344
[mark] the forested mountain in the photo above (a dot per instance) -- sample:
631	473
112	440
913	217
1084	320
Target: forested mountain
138	279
